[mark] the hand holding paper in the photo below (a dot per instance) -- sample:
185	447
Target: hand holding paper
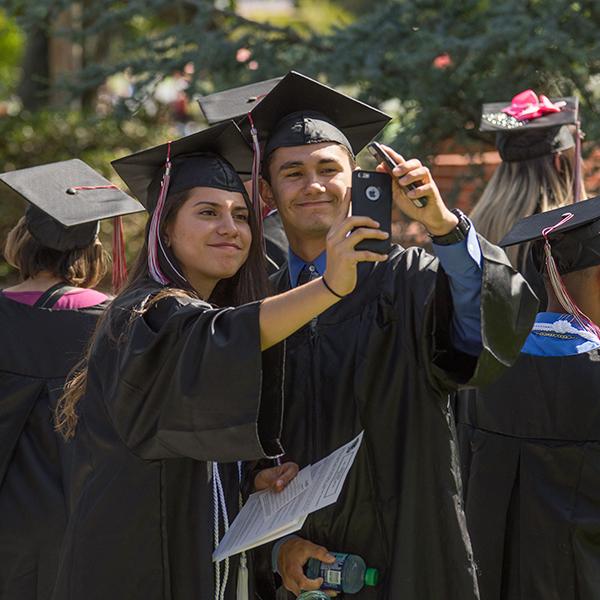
268	515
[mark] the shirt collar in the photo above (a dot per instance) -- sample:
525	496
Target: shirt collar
296	264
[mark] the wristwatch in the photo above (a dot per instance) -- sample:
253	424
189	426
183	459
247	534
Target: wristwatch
457	234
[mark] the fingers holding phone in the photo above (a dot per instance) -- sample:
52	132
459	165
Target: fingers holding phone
388	164
434	214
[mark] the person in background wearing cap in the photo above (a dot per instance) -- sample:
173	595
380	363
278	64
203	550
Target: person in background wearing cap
532	485
46	320
385	358
540	168
176	380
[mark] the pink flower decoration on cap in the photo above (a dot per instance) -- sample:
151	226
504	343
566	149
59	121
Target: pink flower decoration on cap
527	105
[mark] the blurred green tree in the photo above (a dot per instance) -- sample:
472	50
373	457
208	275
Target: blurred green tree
11	46
442	59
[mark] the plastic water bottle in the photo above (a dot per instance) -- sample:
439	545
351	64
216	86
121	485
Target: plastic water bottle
348	574
313	595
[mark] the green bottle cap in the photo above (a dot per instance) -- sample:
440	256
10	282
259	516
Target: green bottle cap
371	577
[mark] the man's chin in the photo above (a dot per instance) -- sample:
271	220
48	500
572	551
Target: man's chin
315	229
317	224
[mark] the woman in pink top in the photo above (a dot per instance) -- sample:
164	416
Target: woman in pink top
46	321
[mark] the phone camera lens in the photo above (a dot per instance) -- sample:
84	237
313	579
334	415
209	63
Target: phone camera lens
373	193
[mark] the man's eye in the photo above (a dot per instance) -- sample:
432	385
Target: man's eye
329	170
293	174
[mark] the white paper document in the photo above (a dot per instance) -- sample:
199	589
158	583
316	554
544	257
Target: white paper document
268	516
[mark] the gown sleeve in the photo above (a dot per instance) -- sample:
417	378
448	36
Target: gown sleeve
508	309
185	379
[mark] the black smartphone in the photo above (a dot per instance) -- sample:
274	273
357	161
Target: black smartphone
381	155
372	197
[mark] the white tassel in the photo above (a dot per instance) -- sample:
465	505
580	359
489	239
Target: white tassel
242	579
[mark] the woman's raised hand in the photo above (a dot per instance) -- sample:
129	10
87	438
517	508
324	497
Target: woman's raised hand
342	255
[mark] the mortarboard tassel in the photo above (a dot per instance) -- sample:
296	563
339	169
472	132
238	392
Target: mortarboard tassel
558	285
255	179
154	240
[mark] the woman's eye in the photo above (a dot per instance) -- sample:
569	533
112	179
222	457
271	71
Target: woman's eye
209	212
329	170
242	217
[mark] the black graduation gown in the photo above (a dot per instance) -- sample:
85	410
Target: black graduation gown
381	360
531	466
534	278
167	391
39	348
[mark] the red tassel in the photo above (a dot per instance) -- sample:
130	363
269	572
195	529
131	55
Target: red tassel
256	202
558	285
119	259
154	241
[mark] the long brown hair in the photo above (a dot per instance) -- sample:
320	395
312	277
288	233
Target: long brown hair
247	285
82	267
520	189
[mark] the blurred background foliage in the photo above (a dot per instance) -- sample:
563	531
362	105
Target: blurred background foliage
97	80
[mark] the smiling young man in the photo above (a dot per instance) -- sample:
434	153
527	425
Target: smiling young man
385	358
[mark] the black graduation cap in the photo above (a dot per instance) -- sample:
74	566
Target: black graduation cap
522	138
67	199
299	110
210	158
235	103
575	242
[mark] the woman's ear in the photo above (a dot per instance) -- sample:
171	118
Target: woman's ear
166	235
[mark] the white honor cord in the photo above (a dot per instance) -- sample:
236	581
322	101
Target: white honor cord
565	326
219	506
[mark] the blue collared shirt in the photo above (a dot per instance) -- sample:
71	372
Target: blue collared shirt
462	264
558	334
296	265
